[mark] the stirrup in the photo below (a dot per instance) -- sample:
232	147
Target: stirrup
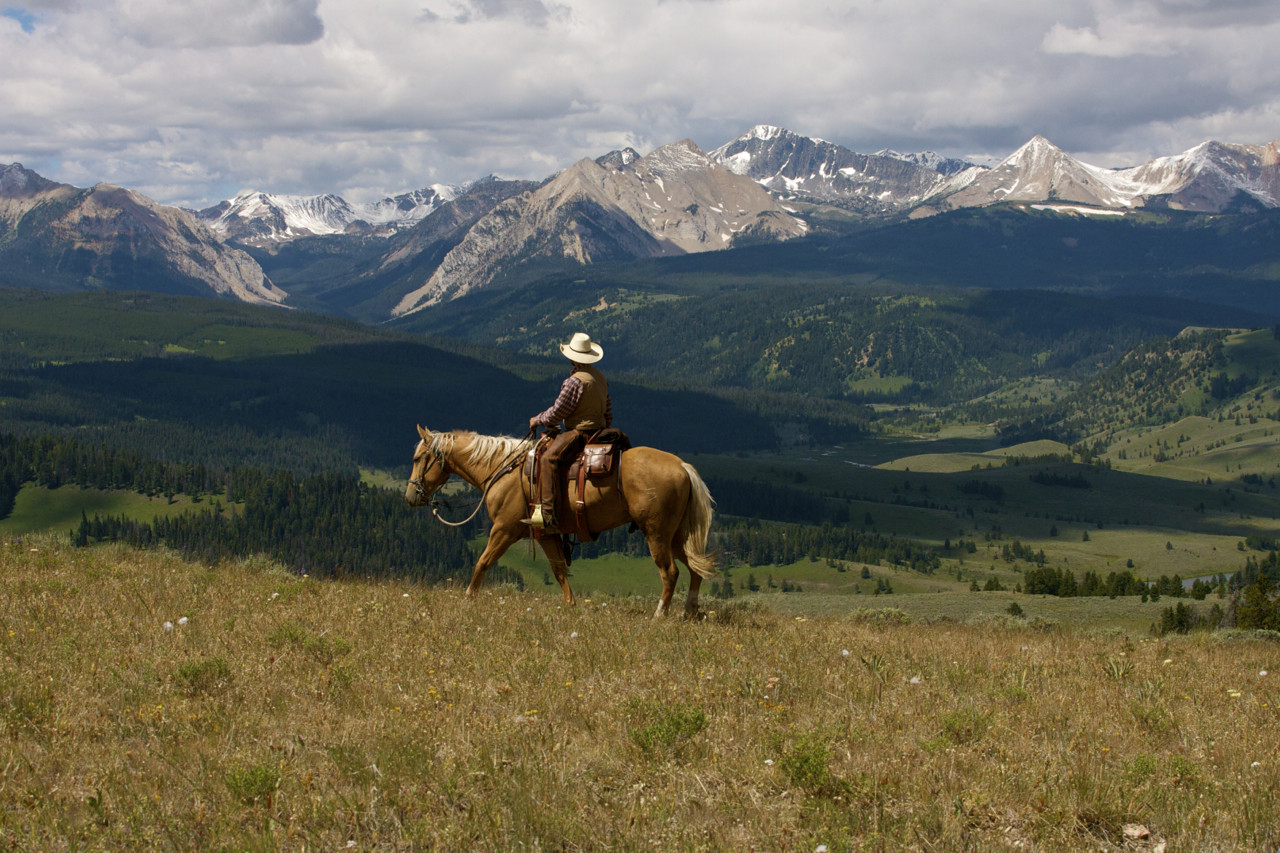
540	520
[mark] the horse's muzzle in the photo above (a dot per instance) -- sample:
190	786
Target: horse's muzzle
415	494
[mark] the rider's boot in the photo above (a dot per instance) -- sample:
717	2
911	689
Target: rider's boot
544	512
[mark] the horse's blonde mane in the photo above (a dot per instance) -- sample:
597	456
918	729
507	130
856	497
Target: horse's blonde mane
481	449
492	449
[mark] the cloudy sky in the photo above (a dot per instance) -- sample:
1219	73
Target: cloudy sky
190	101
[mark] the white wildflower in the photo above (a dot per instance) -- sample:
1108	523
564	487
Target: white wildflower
168	626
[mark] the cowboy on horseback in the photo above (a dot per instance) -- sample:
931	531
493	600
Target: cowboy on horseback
656	492
585	407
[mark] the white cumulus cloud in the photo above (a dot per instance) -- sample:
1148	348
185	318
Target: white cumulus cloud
190	102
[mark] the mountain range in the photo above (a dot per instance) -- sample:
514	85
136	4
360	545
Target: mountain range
62	238
410	252
260	218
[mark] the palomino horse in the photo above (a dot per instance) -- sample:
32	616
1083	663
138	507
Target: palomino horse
660	493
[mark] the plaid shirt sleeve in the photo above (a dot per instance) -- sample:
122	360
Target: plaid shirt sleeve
566	402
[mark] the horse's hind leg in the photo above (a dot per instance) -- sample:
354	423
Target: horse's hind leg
695	580
691	598
667	568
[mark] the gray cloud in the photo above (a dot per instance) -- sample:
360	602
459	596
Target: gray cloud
220	23
532	12
192	102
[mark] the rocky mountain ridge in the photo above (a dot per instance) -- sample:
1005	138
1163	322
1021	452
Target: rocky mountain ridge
1211	178
444	242
1208	178
58	237
675	200
260	219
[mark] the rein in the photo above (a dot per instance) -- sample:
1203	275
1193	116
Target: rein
508	465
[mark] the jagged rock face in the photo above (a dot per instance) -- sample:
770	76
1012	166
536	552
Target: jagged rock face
113	237
17	183
816	170
675	200
946	166
449	221
616	160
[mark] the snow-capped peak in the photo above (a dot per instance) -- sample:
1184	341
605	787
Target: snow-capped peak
256	216
764	132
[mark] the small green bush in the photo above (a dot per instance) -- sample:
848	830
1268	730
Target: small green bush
965	725
806	763
197	677
666	729
253	785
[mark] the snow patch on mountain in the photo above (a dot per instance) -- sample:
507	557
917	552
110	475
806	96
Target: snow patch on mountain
260	217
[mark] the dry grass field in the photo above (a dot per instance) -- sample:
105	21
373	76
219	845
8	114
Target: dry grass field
150	703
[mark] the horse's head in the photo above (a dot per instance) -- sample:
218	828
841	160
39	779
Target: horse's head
430	469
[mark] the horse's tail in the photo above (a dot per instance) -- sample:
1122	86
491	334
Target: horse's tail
696	526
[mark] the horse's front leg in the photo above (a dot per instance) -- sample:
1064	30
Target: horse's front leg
555	555
500	539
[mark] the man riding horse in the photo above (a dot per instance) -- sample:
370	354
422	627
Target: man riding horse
585	407
656	492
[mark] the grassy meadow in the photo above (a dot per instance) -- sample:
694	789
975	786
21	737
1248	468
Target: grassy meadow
147	702
38	508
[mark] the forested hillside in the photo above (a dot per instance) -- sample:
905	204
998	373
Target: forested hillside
226	385
840	342
1207	372
329	525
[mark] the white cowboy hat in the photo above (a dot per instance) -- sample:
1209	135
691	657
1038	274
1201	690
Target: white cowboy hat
582	350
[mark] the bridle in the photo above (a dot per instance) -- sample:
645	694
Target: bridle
511	463
437	456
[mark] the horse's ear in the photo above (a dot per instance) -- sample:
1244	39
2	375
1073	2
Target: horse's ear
422	431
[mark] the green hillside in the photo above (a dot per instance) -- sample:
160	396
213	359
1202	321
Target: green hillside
228	384
843	342
41	328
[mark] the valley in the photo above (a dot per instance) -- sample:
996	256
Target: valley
1169	471
938	385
